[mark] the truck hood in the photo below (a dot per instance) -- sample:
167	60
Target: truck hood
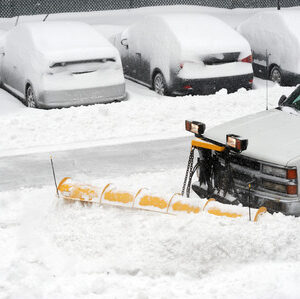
273	135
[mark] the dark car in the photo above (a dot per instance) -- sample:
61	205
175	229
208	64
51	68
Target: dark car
178	54
274	38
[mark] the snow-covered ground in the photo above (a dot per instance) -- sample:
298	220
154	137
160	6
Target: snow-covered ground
145	116
53	250
50	249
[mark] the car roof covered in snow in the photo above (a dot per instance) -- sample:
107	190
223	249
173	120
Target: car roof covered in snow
66	41
203	34
64	35
290	18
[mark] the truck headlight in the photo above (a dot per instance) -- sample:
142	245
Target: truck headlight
280	172
275	171
286	189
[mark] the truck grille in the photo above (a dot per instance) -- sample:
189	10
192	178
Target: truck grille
245	162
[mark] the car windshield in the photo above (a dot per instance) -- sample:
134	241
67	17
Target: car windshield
293	100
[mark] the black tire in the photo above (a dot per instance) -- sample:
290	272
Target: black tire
30	98
276	75
159	84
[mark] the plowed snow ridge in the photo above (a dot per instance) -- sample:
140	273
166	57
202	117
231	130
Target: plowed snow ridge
145	116
67	251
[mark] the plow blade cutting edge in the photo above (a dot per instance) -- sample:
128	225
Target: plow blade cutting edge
145	200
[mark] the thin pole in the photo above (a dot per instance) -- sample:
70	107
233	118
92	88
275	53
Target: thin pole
17	20
267	79
249	202
45	17
278	4
54	176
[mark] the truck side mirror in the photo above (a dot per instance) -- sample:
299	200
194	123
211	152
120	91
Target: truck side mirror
124	42
281	100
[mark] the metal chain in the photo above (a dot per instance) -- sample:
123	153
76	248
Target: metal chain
188	169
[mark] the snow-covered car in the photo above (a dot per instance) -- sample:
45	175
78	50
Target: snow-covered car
61	64
277	34
270	163
179	54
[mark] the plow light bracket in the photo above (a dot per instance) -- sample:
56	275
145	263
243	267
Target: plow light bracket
236	142
196	127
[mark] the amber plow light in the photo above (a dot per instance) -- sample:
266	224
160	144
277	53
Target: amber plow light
236	142
143	199
195	127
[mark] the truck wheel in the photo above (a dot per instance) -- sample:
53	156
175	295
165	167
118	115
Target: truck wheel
275	75
159	84
30	99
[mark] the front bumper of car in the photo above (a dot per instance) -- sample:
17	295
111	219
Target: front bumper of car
78	97
207	86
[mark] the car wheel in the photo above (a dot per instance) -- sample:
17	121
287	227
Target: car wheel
159	84
275	75
30	99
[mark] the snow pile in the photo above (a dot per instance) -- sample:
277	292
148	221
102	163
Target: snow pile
53	250
277	32
144	116
9	104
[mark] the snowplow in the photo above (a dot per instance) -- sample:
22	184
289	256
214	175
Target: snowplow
144	199
237	177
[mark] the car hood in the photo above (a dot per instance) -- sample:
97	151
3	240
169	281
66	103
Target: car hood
273	135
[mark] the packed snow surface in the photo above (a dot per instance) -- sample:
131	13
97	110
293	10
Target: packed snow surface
144	116
54	250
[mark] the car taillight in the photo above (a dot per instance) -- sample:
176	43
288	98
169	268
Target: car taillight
187	87
181	65
248	59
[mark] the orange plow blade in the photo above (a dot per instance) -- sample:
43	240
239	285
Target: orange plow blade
145	200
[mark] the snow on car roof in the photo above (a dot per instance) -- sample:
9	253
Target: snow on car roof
292	20
49	36
204	33
68	41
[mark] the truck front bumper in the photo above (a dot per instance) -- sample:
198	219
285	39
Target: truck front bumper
258	199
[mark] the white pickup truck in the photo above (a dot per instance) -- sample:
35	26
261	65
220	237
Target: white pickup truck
267	172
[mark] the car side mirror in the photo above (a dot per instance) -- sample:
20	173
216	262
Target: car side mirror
124	42
281	100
